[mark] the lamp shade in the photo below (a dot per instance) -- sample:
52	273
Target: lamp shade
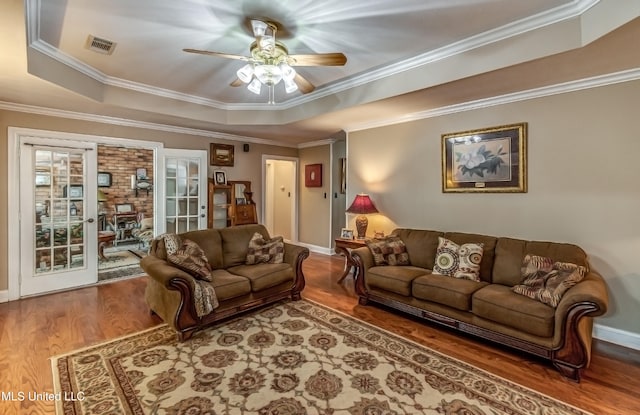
362	205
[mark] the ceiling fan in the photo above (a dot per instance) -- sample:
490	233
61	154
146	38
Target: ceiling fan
271	63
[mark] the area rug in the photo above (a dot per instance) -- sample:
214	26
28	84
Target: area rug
120	264
117	259
292	358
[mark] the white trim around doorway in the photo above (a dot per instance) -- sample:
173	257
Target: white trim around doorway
15	134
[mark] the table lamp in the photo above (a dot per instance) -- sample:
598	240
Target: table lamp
362	205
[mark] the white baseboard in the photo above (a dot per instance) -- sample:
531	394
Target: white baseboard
317	249
4	296
617	336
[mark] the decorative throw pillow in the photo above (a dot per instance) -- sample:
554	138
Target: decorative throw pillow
388	251
547	281
190	257
459	261
171	242
265	251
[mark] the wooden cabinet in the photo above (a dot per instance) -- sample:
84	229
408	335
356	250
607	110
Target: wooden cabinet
244	214
243	209
219	205
231	204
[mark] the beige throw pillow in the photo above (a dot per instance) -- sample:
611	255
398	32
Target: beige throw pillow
459	261
546	281
265	251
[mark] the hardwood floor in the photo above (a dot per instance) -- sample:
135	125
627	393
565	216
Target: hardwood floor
34	329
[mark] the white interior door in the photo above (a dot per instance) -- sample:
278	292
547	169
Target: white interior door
185	189
58	207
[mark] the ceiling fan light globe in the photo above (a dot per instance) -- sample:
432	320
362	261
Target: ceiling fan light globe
245	73
290	86
268	74
255	86
287	71
259	27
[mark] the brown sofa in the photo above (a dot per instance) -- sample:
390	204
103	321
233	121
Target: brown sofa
238	287
489	308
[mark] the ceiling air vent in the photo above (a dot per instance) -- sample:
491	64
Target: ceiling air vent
100	45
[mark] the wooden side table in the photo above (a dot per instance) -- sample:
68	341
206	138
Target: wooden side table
344	247
104	237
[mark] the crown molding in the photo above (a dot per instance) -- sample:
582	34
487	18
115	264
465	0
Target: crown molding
317	143
124	122
549	17
563	88
558	14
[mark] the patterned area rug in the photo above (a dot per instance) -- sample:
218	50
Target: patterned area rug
120	264
116	259
293	358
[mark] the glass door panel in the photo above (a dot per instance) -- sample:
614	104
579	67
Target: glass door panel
185	171
53	187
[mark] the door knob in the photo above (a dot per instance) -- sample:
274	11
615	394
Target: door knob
90	220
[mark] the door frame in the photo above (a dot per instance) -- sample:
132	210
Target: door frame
15	135
294	200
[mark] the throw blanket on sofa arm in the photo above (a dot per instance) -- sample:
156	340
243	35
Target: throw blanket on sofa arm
188	256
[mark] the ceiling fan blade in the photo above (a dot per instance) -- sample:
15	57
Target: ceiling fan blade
303	85
218	54
318	59
237	82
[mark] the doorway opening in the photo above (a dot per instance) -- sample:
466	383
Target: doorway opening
280	196
125	209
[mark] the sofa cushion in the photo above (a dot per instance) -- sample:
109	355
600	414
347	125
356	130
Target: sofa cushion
459	261
228	285
441	289
488	244
393	278
388	251
508	261
235	242
499	304
421	245
547	281
262	276
210	242
189	257
261	250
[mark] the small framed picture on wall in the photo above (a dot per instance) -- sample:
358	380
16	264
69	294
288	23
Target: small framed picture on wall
313	175
220	177
104	179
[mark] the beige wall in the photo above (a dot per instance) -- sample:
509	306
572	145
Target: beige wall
315	202
247	165
583	173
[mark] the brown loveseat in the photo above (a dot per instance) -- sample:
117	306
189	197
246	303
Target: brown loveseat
238	287
489	308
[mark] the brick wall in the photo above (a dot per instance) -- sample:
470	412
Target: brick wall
122	163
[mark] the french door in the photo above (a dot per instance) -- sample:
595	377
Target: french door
58	206
185	186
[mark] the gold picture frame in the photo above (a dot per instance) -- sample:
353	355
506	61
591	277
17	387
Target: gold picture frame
488	160
221	154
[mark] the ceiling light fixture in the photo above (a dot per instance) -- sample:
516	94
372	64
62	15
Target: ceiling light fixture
269	64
